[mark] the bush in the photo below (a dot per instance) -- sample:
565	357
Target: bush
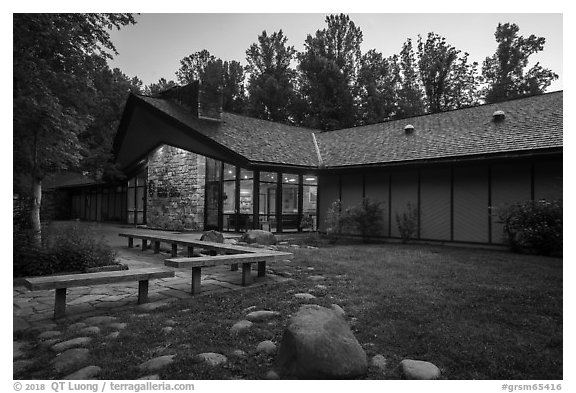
407	222
334	221
66	249
366	219
534	227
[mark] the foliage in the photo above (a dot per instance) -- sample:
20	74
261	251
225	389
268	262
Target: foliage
449	81
534	227
410	101
161	85
271	83
504	70
366	219
64	249
376	80
328	74
407	222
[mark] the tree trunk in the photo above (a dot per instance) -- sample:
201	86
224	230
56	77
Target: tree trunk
35	211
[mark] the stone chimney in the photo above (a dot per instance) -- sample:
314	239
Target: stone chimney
203	100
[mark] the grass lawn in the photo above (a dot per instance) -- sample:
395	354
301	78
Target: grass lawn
476	314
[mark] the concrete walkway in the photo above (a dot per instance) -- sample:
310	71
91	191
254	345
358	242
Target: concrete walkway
36	308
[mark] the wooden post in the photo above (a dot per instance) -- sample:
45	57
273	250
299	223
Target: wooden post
190	251
144	244
246	274
156	247
234	267
262	269
174	250
196	273
130	242
60	303
142	291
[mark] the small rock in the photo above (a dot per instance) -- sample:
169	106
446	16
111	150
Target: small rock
272	375
258	236
312	247
317	278
418	369
21	365
282	243
49	335
75	342
152	377
157	363
310	268
338	310
167	329
241	327
250	308
213	359
18	349
321	287
170	322
101	320
93	330
267	347
239	353
294	246
262	315
212	236
49	343
88	372
304	296
77	326
117	325
379	362
70	359
154	305
113	335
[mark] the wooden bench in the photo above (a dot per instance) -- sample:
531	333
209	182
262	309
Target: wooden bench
246	260
62	282
176	240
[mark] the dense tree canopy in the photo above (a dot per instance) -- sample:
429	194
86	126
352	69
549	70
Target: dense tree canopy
504	71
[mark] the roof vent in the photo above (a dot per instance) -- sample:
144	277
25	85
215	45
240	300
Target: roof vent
409	129
498	116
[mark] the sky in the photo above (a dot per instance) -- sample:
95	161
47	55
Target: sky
153	47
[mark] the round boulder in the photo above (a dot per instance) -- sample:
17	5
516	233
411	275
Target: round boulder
259	236
419	369
318	343
212	236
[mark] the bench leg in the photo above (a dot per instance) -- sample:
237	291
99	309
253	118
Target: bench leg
156	247
144	244
234	267
174	250
190	251
196	273
60	303
142	291
262	269
130	242
246	274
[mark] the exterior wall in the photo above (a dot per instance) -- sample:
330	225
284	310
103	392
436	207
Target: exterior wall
175	195
459	203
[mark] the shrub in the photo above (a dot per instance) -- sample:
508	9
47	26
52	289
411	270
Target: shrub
65	249
366	219
534	227
407	222
333	221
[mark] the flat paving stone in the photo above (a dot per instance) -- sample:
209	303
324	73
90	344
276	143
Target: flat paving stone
77	326
70	359
88	372
117	325
49	334
90	330
157	363
304	296
262	315
100	320
21	365
213	359
241	327
75	342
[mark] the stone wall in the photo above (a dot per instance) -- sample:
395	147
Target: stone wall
175	198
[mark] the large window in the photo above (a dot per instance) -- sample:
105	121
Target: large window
213	177
229	197
267	201
246	200
309	206
136	200
290	190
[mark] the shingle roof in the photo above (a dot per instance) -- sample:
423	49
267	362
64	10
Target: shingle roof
530	123
257	140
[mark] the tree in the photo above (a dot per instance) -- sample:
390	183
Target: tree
328	74
376	81
503	72
161	85
271	82
449	81
410	97
228	76
54	56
